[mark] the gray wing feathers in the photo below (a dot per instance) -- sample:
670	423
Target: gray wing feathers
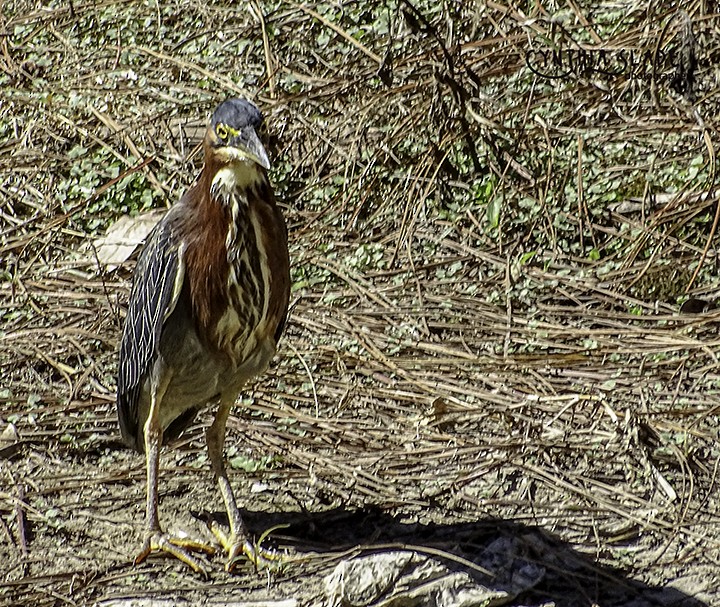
156	287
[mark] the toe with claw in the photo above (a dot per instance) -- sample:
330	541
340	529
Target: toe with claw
239	547
180	548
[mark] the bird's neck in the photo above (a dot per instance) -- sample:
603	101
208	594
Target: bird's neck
234	222
236	176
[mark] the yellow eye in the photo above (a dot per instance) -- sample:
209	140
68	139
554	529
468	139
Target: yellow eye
222	132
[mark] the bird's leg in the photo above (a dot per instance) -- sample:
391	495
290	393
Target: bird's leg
153	440
238	542
155	538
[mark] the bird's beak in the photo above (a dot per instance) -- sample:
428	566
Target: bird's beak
247	145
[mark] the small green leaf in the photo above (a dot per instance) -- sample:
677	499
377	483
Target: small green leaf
493	212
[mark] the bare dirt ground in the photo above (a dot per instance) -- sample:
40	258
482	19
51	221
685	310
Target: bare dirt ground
484	347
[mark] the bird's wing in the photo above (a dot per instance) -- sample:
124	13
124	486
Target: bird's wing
157	283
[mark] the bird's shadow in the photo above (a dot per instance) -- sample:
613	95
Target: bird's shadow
569	578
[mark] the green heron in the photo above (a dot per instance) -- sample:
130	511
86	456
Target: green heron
208	304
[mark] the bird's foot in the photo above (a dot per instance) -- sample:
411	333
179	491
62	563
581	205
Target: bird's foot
239	547
180	548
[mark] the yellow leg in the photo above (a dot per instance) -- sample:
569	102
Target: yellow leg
155	538
238	542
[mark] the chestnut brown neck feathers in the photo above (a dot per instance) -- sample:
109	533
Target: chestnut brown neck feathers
237	265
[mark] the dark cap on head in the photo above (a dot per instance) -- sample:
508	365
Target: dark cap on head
238	114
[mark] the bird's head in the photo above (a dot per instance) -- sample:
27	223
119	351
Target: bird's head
233	142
